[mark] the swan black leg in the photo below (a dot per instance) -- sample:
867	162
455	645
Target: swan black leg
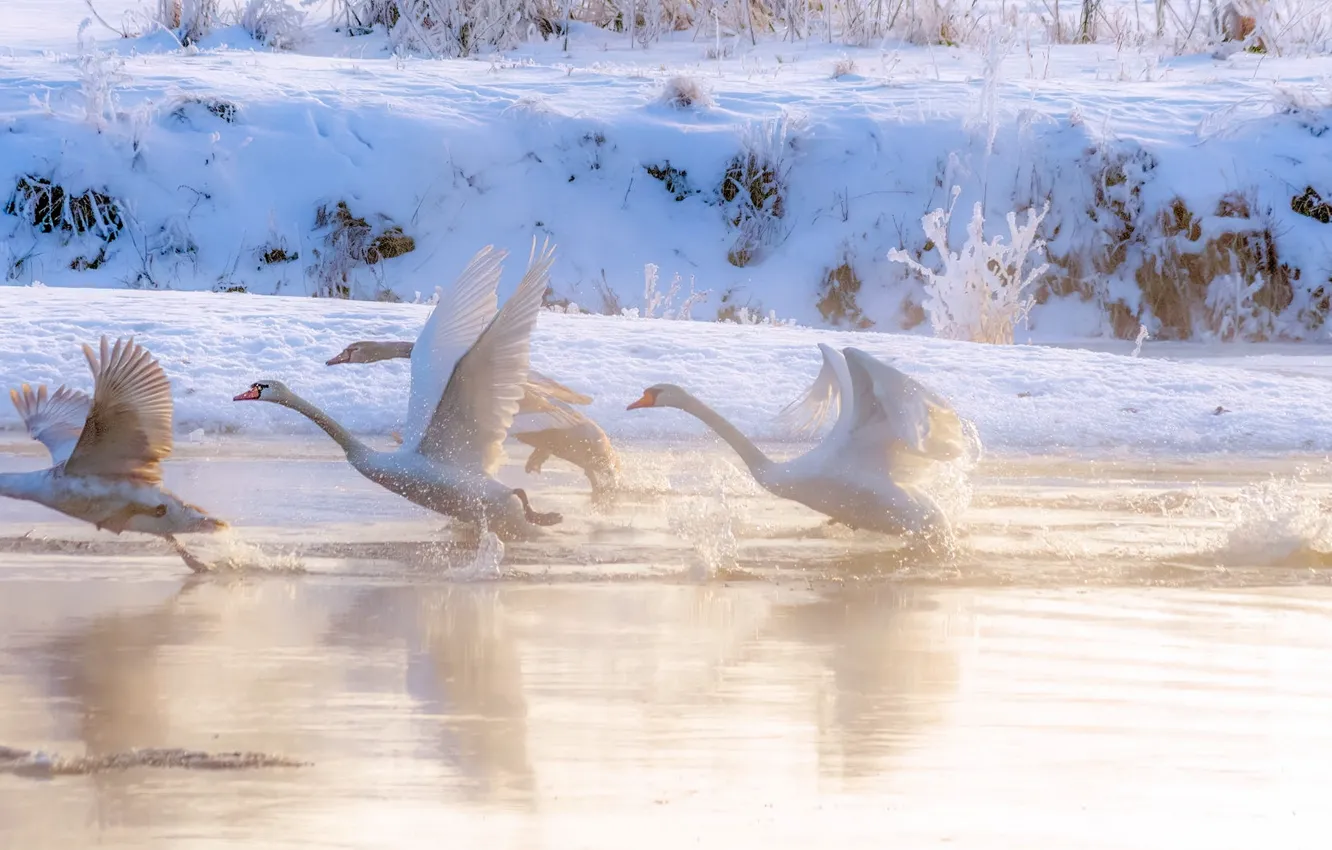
533	517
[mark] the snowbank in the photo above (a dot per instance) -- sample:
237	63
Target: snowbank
219	159
1022	398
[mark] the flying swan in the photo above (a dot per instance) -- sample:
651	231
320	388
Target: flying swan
863	473
107	451
469	366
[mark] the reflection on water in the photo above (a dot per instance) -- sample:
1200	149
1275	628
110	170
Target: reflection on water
662	715
891	658
461	669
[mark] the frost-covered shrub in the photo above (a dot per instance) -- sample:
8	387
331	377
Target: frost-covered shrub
100	74
983	291
449	28
658	304
189	20
275	23
684	92
48	207
753	189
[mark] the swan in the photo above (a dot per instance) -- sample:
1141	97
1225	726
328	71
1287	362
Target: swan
863	473
107	450
545	420
468	370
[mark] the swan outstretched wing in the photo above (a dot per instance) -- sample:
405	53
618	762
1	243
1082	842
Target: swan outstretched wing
482	395
128	431
453	327
805	415
895	418
541	386
55	420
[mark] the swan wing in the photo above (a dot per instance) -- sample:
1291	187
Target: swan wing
128	431
897	424
806	414
540	414
539	385
55	420
453	327
482	395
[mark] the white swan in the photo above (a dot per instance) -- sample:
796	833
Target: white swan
107	451
545	419
469	367
861	474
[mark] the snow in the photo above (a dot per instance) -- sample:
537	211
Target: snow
224	150
536	141
1022	398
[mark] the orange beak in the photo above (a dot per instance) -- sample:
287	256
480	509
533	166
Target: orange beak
649	399
249	395
344	357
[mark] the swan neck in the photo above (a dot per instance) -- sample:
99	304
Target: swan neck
753	457
340	435
399	350
21	485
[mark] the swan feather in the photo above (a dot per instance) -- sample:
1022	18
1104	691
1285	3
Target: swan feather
481	398
455	324
55	420
128	430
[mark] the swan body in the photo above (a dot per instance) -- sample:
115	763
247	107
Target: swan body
469	367
863	473
107	450
546	419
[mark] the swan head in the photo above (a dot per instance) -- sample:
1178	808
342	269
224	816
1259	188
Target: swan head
267	390
661	395
192	519
365	351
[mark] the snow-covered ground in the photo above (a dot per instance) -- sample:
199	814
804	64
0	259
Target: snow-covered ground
1023	398
222	153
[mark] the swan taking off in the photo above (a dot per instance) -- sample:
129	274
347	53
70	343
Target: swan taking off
108	450
545	419
889	428
469	367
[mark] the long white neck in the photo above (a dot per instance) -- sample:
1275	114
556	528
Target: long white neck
23	485
753	457
340	435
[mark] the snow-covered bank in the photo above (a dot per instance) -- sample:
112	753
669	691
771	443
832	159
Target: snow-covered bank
1170	180
1022	398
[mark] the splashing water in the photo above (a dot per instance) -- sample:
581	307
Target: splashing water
485	563
706	524
1276	523
236	555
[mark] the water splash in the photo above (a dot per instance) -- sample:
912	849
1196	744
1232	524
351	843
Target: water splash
486	562
707	525
235	555
1275	523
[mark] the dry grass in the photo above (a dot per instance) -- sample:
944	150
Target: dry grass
49	207
753	193
837	297
349	242
1194	253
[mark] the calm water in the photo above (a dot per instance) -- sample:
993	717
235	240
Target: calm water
1121	655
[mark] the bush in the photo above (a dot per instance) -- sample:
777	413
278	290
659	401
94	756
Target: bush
982	292
48	207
